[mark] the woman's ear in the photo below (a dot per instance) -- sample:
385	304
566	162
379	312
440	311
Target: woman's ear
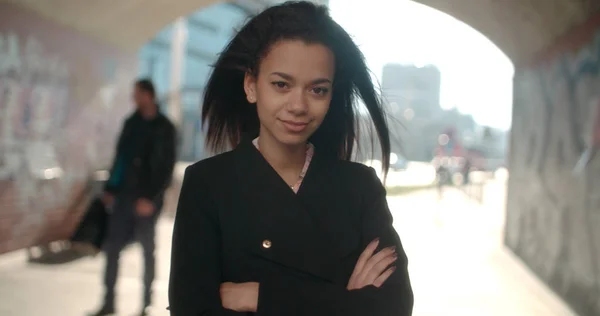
250	87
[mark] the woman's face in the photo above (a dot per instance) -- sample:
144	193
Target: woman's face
292	91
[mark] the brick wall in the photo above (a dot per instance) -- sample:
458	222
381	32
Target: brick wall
62	98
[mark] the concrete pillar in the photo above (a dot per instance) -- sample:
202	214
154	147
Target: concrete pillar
178	52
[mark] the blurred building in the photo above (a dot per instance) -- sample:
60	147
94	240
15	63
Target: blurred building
412	88
419	125
413	97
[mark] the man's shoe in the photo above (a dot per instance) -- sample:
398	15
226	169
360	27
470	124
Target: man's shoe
147	303
146	311
105	311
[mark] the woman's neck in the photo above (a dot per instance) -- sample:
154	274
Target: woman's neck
284	159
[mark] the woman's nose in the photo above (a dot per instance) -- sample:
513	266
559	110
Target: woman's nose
298	103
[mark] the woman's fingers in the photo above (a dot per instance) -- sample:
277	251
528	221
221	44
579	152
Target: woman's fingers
383	277
366	255
381	255
376	265
362	261
380	268
373	268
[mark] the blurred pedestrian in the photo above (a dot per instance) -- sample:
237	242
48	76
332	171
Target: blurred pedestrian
141	172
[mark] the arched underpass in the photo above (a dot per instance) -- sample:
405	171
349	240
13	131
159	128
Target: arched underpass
552	213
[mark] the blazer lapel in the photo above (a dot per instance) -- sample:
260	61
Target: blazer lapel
281	229
324	197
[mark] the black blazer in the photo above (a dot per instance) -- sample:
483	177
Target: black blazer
238	221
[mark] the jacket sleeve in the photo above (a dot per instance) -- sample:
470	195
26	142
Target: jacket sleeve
302	296
195	276
162	163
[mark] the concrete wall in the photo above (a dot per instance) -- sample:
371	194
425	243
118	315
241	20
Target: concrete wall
62	98
553	220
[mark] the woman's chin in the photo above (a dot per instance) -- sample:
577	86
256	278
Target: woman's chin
292	140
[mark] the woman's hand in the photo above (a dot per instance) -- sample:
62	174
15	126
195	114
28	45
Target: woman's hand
372	269
240	297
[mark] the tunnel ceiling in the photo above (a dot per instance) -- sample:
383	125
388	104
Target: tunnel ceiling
519	27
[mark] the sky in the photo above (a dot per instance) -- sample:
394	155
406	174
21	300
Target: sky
476	74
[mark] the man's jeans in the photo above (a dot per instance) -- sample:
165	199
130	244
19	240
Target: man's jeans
126	226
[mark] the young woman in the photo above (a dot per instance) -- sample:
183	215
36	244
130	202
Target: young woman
285	224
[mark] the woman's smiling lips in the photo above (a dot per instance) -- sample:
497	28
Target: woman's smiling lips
293	126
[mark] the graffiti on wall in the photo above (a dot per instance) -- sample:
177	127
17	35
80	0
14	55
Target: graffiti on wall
553	212
61	106
34	87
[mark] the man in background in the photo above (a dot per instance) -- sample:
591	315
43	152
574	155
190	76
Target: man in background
141	172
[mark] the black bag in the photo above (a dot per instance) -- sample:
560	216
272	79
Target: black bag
91	232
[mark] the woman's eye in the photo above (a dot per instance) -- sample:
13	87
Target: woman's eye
279	84
320	91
